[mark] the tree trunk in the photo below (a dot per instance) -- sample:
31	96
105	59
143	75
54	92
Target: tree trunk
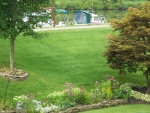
148	89
13	22
53	16
148	84
12	53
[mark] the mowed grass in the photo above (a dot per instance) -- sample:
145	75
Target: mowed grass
123	109
61	56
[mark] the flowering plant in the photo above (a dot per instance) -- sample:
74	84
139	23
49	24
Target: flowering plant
26	103
96	93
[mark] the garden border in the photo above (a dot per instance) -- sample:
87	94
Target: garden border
103	104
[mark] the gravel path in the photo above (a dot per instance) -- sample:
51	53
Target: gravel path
71	27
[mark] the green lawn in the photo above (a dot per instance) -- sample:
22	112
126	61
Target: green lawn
61	56
123	109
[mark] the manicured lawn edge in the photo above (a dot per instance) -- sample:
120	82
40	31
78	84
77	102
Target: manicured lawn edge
103	104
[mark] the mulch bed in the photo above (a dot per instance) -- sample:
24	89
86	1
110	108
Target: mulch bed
17	74
132	100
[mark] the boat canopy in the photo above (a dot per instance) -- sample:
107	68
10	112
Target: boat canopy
61	11
82	17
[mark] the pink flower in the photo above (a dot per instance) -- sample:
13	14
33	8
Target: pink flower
111	79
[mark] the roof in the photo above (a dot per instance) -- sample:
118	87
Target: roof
94	15
84	11
61	11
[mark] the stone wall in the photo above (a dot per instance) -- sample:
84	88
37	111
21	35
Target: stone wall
99	105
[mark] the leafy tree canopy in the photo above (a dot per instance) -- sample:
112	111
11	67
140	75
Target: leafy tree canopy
97	4
12	13
130	49
12	24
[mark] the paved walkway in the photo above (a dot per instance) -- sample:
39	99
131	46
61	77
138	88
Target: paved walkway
71	27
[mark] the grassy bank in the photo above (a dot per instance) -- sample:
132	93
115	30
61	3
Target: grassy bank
61	56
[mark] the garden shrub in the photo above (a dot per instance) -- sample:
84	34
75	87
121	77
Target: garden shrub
96	94
106	90
82	96
109	88
69	97
27	104
60	99
77	95
24	102
55	97
120	93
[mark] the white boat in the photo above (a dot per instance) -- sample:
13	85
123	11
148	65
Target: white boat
95	19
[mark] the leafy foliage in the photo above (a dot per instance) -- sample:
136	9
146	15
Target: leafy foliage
12	24
27	104
71	96
12	14
130	48
107	89
96	4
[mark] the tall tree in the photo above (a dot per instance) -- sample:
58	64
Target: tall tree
12	24
130	49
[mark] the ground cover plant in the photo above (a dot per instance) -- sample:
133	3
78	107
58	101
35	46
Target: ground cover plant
63	56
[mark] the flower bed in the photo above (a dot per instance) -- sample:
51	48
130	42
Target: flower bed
73	99
106	93
17	74
75	109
